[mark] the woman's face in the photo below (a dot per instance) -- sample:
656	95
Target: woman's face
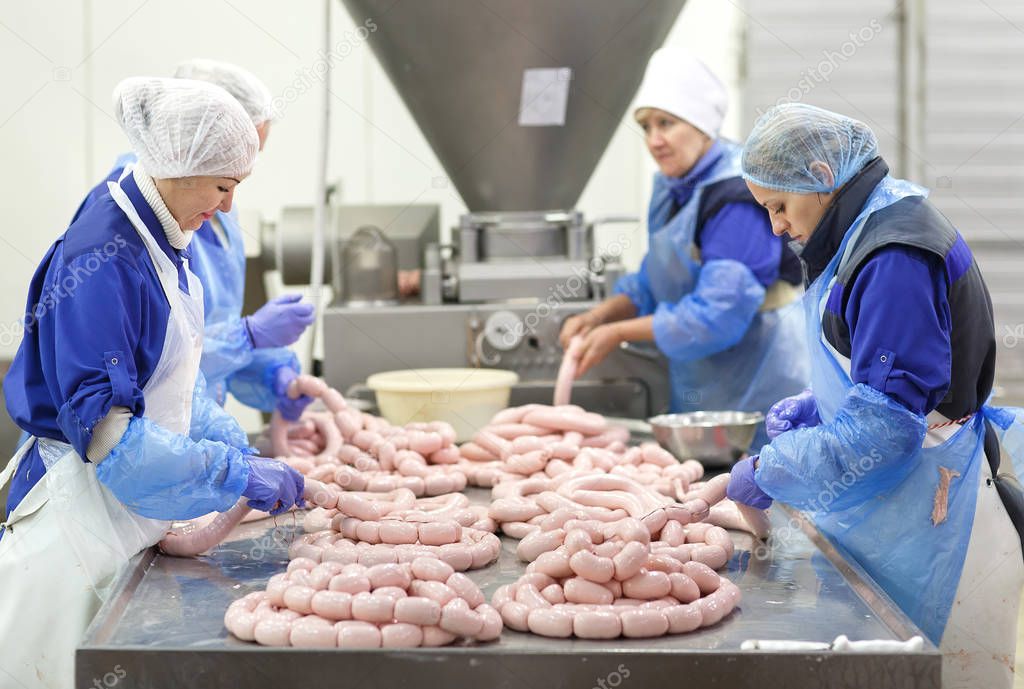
193	200
675	144
794	214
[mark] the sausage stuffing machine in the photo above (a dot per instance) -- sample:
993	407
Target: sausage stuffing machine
519	102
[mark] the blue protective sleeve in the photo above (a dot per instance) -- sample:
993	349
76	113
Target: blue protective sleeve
211	422
163	475
638	289
226	349
905	286
253	385
713	317
743	232
861	453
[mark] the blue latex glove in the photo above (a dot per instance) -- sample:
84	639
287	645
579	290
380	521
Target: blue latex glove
273	486
279	322
742	487
798	411
291	409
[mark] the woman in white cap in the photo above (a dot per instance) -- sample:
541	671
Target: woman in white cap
104	379
243	355
715	288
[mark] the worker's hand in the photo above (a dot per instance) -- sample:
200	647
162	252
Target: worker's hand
580	324
409	283
743	489
280	321
596	345
291	409
798	411
273	486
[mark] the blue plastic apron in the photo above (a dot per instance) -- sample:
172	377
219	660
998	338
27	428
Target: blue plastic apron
766	364
890	532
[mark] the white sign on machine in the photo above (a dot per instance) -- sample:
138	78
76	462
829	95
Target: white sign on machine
545	97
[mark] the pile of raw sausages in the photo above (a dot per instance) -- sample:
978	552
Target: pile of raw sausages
621	541
372	529
609	557
614	583
379	570
537	440
362	452
597	504
331	604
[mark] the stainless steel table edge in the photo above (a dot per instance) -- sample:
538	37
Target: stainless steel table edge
860	581
480	665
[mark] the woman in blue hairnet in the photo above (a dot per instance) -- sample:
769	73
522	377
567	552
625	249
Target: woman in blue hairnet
893	450
716	290
105	381
245	356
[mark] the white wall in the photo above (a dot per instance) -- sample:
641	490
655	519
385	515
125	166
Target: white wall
59	61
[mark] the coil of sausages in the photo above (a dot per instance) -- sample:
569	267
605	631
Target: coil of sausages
611	588
362	452
334	605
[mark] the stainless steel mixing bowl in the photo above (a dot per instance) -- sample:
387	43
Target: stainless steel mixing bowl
714	438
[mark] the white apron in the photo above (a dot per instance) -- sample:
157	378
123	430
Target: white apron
69	536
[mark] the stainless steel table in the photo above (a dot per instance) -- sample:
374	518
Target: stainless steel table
163	627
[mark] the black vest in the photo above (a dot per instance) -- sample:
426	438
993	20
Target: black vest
734	190
913	222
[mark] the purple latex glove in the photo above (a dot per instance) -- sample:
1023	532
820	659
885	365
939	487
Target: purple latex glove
291	409
798	411
742	487
273	486
279	322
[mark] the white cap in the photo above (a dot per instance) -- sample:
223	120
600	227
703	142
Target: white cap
680	84
185	128
241	83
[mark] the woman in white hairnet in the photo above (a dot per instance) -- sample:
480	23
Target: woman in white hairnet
104	381
713	290
243	355
893	451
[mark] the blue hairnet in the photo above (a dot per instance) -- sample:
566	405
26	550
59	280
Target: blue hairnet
788	140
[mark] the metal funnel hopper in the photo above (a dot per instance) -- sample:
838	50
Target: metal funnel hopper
518	98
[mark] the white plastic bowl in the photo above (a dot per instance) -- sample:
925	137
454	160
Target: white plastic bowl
466	398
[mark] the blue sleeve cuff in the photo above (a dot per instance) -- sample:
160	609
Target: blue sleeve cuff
863	452
211	422
713	317
162	475
253	385
226	349
638	290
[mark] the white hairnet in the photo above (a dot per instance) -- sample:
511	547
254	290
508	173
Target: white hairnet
240	83
680	84
185	128
789	139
